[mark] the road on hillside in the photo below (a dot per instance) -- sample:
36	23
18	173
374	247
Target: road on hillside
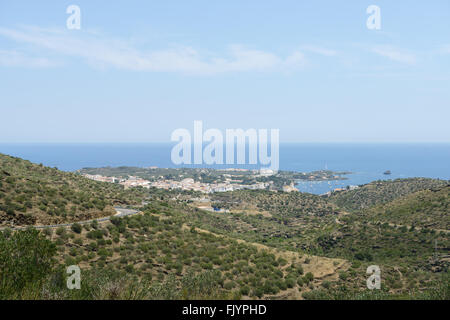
121	212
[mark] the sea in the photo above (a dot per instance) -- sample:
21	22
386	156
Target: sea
366	162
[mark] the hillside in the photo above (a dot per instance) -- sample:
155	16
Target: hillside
159	247
379	192
269	245
412	260
279	219
426	208
173	260
282	204
34	194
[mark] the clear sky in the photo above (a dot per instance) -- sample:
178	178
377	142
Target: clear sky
137	70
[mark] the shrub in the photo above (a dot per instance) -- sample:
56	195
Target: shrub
326	284
300	270
244	291
73	252
308	278
290	283
258	292
282	261
129	268
94	224
76	227
343	275
26	258
116	221
48	231
229	285
60	231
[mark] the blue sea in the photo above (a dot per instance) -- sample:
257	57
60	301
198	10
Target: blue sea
367	162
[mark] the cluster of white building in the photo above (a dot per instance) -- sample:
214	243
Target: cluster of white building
186	184
98	177
190	184
127	183
135	182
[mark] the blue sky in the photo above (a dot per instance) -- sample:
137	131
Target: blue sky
137	70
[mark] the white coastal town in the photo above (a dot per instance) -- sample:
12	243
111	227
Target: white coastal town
187	184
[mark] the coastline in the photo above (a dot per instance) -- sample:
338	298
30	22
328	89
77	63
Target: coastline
366	162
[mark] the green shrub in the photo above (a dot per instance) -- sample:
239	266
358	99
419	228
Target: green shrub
48	231
60	231
326	284
343	275
26	259
308	278
290	282
229	285
244	291
129	268
76	227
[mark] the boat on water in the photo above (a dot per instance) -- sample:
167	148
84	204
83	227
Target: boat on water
387	172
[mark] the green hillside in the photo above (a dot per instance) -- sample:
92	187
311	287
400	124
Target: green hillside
268	245
167	259
34	194
426	208
379	192
282	204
